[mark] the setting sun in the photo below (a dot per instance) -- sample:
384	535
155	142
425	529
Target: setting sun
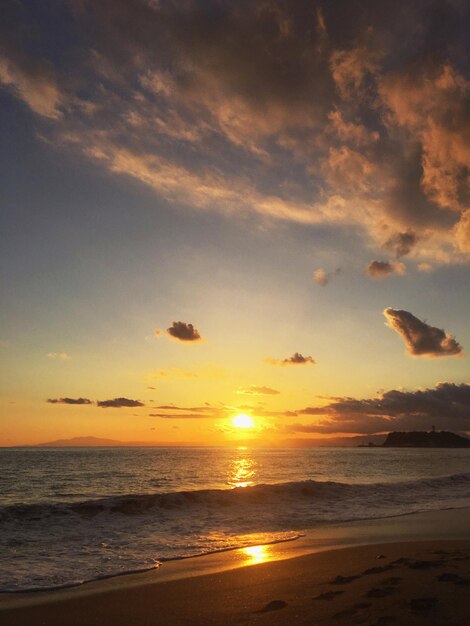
243	421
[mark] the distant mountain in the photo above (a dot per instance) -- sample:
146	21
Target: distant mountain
98	442
86	442
418	439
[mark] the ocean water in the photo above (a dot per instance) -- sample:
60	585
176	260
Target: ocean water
77	514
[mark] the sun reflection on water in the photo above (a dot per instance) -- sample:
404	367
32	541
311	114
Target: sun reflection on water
242	470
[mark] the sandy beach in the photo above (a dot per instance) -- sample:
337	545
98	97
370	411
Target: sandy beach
413	569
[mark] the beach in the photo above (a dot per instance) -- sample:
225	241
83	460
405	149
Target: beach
411	569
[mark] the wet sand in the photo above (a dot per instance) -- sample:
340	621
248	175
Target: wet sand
397	574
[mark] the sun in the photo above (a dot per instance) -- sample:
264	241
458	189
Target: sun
243	421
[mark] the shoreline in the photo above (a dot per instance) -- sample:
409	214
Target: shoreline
449	529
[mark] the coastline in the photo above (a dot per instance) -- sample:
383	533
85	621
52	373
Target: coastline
298	567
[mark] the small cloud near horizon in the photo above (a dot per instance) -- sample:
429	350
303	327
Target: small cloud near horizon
118	403
59	356
69	401
420	338
255	390
295	359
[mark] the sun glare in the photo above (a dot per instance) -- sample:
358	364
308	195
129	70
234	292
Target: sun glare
257	554
243	421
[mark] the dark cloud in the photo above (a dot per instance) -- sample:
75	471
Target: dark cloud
380	269
70	401
183	332
420	338
118	403
447	406
401	243
255	390
295	359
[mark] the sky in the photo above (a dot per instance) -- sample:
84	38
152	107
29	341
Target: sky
212	208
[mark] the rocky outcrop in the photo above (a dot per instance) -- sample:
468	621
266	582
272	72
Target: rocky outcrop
417	439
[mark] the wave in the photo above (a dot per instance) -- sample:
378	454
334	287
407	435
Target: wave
301	492
54	545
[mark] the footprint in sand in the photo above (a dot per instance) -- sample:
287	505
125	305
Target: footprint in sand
393	580
425	564
343	580
363	605
328	595
385	620
380	592
346	613
274	605
376	570
423	604
449	577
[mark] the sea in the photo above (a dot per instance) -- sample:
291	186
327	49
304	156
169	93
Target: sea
71	515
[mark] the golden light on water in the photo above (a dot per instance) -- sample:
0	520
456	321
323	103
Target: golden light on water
241	472
243	421
257	554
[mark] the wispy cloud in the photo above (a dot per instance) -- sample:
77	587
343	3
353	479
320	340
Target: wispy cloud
255	390
58	356
308	123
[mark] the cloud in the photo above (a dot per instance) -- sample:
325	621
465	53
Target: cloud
350	68
60	356
69	401
184	332
254	390
321	277
32	83
172	372
462	232
181	416
401	243
208	411
380	269
295	359
302	112
118	403
424	267
420	338
447	406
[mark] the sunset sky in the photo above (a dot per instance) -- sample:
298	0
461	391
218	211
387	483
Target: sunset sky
212	208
